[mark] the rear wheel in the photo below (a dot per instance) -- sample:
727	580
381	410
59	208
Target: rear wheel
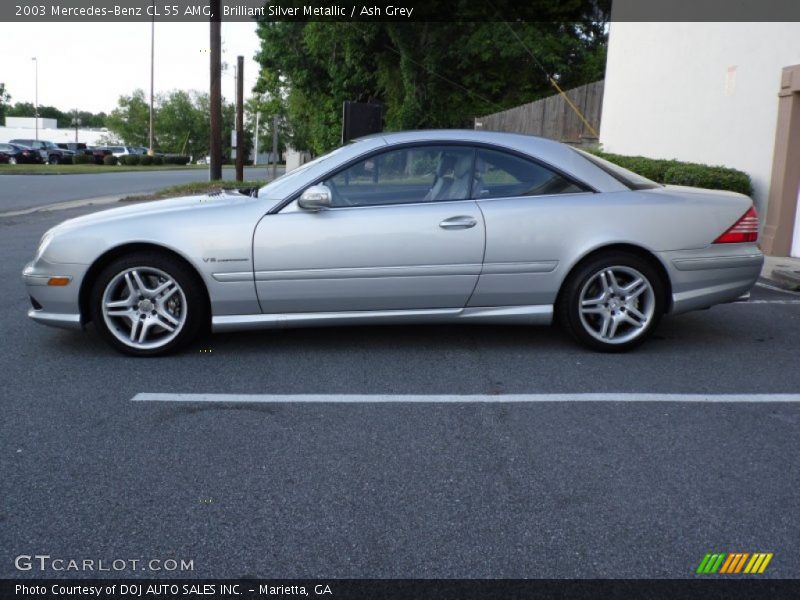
147	304
613	302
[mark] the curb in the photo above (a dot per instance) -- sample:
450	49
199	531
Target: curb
63	205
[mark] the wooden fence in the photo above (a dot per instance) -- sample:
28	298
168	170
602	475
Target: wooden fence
552	117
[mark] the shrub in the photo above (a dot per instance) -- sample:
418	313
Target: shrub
158	160
82	159
712	178
145	160
130	160
176	159
676	172
65	160
110	159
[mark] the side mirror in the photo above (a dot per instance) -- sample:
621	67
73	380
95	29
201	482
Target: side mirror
316	198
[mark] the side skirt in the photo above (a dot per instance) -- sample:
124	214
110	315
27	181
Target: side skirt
522	315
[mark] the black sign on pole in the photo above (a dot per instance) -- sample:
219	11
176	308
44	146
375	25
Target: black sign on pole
360	119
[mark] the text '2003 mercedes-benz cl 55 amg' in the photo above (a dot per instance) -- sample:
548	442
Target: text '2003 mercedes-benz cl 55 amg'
409	227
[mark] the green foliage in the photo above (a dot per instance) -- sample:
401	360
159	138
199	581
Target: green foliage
66	160
181	122
176	159
110	159
425	74
145	160
713	178
82	159
158	160
27	109
130	160
674	172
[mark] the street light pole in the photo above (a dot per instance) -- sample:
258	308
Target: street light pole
151	150
36	97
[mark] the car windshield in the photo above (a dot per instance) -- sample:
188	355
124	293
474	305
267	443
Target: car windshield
287	178
627	178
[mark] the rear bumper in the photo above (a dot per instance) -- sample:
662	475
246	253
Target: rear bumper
713	275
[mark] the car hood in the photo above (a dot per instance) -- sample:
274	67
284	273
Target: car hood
146	209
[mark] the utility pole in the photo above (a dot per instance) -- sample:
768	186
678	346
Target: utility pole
240	118
255	139
274	147
151	150
36	97
215	93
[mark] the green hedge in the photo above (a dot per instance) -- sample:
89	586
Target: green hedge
83	159
175	159
145	160
158	160
110	159
130	160
675	172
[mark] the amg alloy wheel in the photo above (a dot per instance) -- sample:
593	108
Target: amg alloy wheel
147	304
613	302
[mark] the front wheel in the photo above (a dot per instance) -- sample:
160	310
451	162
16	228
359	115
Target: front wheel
613	302
147	304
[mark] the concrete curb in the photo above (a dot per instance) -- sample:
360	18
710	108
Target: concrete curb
64	205
783	272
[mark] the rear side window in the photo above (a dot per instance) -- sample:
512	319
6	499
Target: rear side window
629	179
503	175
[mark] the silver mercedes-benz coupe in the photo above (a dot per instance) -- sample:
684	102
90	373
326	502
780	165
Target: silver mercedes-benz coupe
410	227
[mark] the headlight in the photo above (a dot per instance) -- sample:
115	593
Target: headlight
43	244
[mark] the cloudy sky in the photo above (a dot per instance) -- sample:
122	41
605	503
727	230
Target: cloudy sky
89	65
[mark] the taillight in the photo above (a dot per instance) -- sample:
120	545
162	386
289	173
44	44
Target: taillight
744	230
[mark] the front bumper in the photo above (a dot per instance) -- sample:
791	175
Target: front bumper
54	305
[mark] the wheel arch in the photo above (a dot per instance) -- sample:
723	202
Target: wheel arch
113	254
639	251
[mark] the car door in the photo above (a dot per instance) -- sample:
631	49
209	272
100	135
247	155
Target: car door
529	209
401	234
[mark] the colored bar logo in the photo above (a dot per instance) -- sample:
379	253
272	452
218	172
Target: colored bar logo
734	563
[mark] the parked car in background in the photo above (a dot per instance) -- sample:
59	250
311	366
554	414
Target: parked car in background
49	151
75	147
18	154
121	150
99	153
405	227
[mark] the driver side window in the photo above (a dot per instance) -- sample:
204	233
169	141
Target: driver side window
405	176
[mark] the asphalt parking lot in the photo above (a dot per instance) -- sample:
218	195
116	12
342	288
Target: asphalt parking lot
608	488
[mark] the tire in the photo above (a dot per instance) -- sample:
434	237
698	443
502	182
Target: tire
53	160
138	313
612	302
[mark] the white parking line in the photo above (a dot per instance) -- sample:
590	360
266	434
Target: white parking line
774	288
768	302
466	398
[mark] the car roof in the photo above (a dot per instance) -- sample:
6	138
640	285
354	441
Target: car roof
548	151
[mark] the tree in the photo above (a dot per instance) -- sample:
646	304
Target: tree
181	122
425	74
131	119
4	99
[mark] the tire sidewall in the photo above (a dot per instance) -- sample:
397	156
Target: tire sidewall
185	278
568	311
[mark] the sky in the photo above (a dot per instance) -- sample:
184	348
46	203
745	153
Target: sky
89	65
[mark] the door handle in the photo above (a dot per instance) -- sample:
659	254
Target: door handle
461	222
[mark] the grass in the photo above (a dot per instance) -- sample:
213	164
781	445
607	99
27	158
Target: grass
87	169
193	189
